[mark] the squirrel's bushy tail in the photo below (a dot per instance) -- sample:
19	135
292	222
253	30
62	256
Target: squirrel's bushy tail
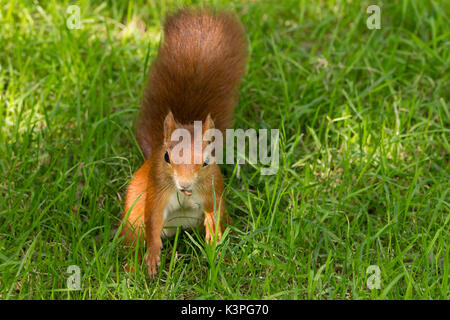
200	63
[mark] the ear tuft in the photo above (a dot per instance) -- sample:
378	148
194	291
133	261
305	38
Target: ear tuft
209	123
169	126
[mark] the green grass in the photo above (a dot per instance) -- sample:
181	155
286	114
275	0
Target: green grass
364	163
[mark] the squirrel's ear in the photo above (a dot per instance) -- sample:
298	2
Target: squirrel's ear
169	126
209	123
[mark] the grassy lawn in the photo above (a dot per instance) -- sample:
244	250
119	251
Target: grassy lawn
364	162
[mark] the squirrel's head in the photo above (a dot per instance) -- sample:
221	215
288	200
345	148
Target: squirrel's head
185	154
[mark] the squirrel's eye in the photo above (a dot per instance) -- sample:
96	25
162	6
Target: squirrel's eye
206	162
166	157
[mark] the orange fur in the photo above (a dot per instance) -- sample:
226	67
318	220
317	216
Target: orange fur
195	76
197	72
135	200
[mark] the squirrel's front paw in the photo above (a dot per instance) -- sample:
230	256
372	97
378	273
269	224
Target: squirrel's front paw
209	236
210	229
153	261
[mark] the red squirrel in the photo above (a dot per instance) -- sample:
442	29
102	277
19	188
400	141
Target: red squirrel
195	77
